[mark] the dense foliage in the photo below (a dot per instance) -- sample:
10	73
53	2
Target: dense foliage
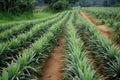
16	6
59	5
111	2
71	2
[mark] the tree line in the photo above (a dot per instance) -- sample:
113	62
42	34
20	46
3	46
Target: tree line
111	2
16	6
20	6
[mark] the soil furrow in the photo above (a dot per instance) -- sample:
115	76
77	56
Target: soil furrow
52	68
107	32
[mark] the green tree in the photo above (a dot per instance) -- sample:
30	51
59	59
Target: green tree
58	5
85	3
111	2
17	6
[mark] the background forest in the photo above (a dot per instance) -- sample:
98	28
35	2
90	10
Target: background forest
19	6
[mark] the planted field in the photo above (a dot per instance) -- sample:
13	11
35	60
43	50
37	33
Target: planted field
106	16
66	46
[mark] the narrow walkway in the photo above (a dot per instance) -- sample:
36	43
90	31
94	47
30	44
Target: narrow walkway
52	68
106	31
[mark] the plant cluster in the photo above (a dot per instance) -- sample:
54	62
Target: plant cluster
76	65
17	6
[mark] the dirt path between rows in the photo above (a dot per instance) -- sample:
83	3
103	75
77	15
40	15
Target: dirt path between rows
106	31
52	68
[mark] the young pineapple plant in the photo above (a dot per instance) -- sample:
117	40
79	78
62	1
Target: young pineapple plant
7	26
24	40
103	13
23	68
104	50
76	65
14	31
116	32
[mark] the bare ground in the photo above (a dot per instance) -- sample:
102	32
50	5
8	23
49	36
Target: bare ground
52	68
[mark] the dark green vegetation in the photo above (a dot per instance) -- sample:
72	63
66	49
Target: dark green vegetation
17	6
111	3
41	12
59	5
26	10
71	2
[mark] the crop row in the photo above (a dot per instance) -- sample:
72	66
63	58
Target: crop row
20	68
106	15
14	31
105	52
7	26
76	65
110	16
11	48
18	29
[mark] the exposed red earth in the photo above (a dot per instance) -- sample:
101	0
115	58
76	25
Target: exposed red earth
52	70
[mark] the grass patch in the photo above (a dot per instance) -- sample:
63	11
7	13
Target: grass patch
41	12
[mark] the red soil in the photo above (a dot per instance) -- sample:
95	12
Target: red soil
52	68
106	31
